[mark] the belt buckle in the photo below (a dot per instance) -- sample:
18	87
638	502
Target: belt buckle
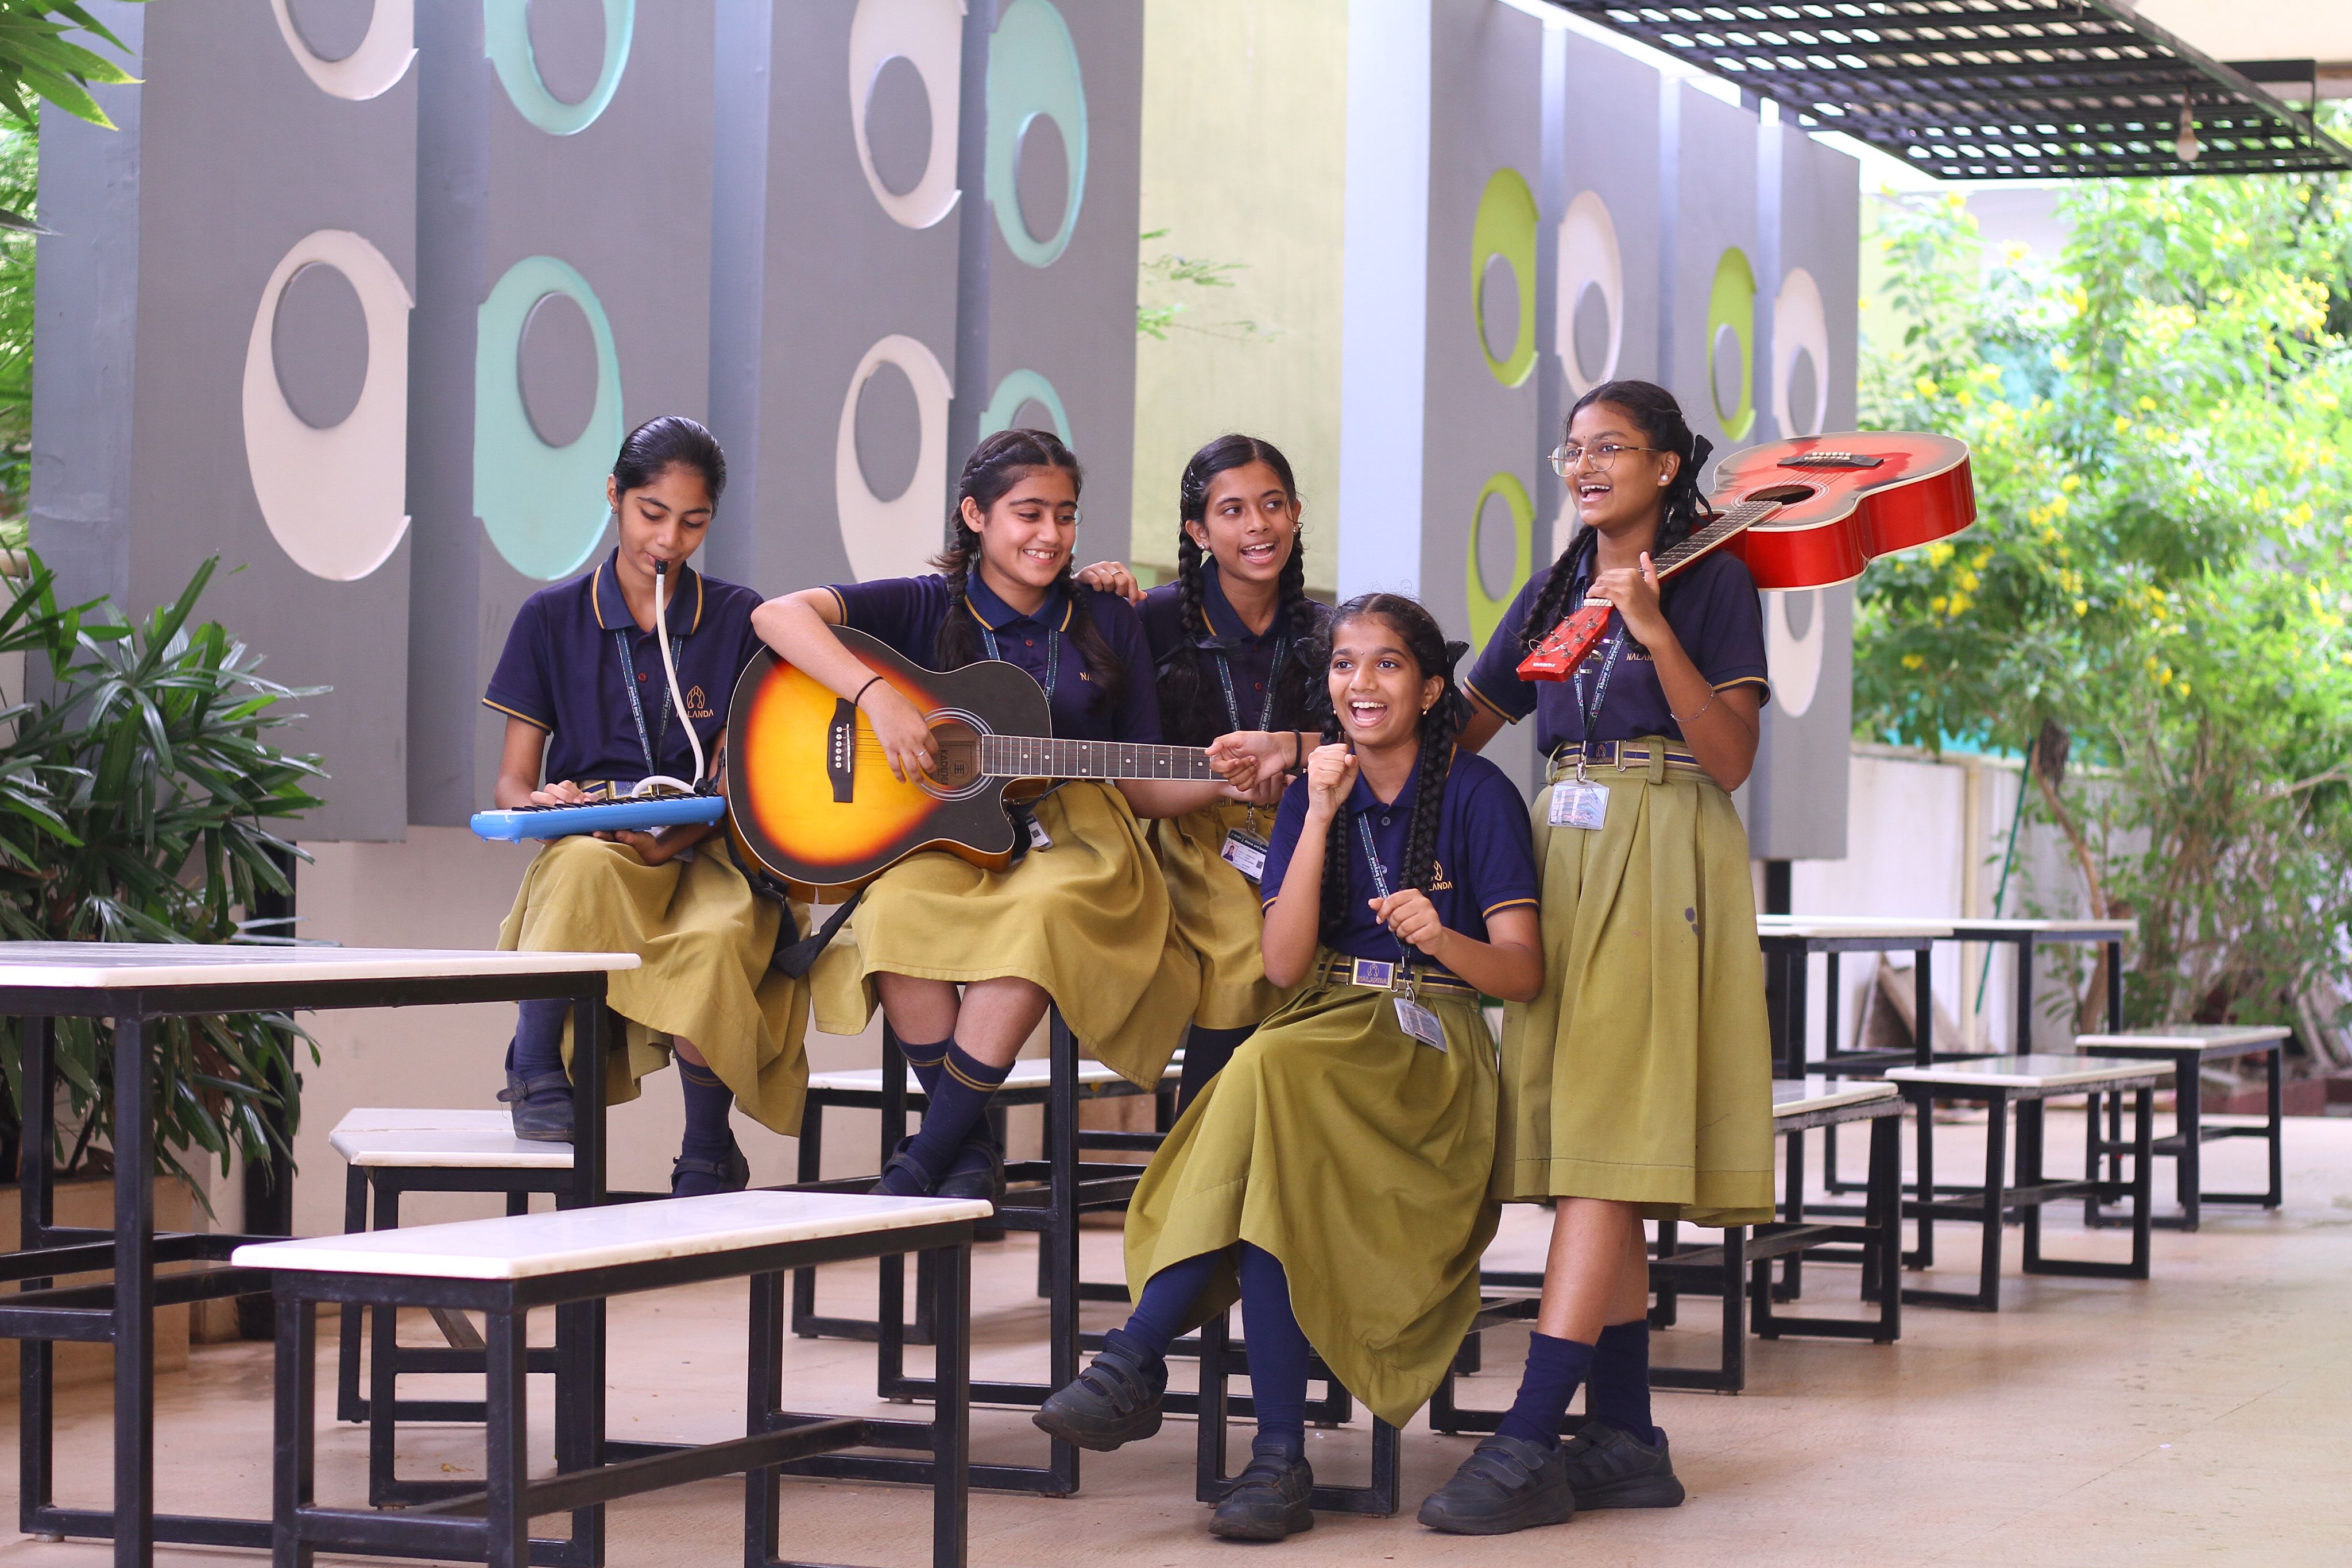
1376	973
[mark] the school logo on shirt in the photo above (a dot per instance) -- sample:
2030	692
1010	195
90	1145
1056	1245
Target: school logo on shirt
1438	880
697	705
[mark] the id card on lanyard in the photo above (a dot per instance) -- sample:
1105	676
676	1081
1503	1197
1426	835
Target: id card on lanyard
1413	1017
1246	848
1584	804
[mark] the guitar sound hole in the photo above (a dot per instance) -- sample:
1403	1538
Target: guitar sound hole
958	763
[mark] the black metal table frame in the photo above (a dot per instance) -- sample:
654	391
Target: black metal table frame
1989	1204
2185	1144
122	1311
1739	1270
591	1471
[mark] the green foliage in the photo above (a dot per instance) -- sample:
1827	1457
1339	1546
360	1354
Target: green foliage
1169	269
137	795
19	181
38	61
2158	575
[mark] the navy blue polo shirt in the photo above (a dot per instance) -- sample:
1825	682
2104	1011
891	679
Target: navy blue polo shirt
562	670
1253	659
1485	857
905	612
1716	615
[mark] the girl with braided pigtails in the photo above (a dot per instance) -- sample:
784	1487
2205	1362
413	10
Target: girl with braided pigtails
1352	1138
1231	637
1638	1084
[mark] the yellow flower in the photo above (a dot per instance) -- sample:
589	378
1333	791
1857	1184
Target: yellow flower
1939	553
2070	484
1935	605
1926	387
1970	582
1960	604
2081	607
2122	424
2164	676
2147	404
1914	662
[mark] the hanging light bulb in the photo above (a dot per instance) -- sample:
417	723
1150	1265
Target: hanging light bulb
2186	146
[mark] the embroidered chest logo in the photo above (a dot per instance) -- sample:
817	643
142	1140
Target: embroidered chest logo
697	705
1438	880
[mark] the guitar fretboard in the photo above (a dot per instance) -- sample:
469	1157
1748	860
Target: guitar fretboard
1746	515
1042	757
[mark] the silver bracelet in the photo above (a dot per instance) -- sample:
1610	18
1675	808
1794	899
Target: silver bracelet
1702	709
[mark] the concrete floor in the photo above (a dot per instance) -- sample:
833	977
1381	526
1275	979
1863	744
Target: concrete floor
2205	1416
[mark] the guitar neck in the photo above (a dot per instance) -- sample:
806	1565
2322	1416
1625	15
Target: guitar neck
1042	757
1727	524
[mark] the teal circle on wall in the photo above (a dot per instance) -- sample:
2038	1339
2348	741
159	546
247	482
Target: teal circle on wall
1033	73
506	39
543	506
1017	388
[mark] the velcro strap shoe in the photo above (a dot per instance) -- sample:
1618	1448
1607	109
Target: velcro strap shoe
1115	1401
1507	1484
1608	1466
1271	1500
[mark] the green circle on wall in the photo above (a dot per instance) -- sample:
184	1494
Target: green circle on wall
506	39
1505	226
1017	388
1731	306
1485	609
1033	72
543	505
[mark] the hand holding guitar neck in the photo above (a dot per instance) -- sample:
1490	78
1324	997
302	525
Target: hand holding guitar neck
1633	591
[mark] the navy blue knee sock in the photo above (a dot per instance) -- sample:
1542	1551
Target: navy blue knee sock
1555	1367
1618	1387
1206	1052
926	1061
1278	1355
538	1046
958	1104
706	1103
1167	1297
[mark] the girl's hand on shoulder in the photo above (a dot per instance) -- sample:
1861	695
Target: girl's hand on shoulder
1634	591
906	740
1249	757
1112	576
1409	915
1330	774
563	792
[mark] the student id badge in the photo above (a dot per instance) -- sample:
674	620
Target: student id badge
1580	805
1421	1023
1245	853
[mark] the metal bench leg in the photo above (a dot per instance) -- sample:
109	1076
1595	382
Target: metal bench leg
1996	1172
295	1460
1886	1203
1059	1239
348	1406
384	1368
1923	1254
2143	1176
2189	1166
506	1460
2030	1129
1792	1202
950	1296
2277	1138
811	1168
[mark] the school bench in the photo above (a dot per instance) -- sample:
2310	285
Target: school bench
2189	1048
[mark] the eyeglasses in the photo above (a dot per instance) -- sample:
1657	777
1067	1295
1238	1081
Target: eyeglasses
1565	456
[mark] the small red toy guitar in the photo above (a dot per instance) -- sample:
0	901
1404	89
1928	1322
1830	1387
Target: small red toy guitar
1804	514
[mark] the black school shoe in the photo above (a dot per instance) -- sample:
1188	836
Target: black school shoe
1505	1485
1608	1466
1113	1402
904	1177
1270	1501
978	1171
541	1107
693	1177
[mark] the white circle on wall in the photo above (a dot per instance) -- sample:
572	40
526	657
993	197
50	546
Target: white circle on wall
335	498
1794	660
1589	258
896	538
1800	324
372	70
928	36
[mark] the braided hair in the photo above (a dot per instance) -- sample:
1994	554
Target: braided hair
1445	719
1187	713
1654	412
999	463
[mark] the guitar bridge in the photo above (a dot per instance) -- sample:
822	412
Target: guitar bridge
840	750
1831	460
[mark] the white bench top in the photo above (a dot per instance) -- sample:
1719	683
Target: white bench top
2185	1036
483	1141
1826	925
526	1246
2085	927
1796	1096
121	966
2038	1072
1029	1073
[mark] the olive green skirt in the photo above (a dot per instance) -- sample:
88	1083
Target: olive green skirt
1086	920
705	939
1360	1158
1643	1072
1218	916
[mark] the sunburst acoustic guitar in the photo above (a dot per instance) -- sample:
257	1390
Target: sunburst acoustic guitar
813	799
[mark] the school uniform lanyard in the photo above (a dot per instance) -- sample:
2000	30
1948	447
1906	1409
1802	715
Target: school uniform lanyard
1600	694
1380	886
1053	656
1232	705
646	743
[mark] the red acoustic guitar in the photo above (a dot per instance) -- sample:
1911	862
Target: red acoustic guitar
1804	514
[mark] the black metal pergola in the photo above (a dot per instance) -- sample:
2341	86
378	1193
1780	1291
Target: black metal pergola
1990	90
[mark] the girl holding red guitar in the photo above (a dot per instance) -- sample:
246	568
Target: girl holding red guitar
1638	1083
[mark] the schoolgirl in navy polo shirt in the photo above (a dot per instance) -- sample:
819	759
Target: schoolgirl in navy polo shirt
589	713
1638	1084
1232	636
1336	1174
964	960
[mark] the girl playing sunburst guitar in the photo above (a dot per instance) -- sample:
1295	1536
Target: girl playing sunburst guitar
581	683
1232	636
965	958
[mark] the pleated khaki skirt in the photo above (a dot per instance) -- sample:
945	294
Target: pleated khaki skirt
1643	1072
705	939
1087	920
1218	916
1360	1157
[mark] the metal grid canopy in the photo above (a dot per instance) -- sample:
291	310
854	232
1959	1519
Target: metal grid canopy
1987	89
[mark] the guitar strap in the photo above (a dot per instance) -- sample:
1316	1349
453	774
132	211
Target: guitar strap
795	959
